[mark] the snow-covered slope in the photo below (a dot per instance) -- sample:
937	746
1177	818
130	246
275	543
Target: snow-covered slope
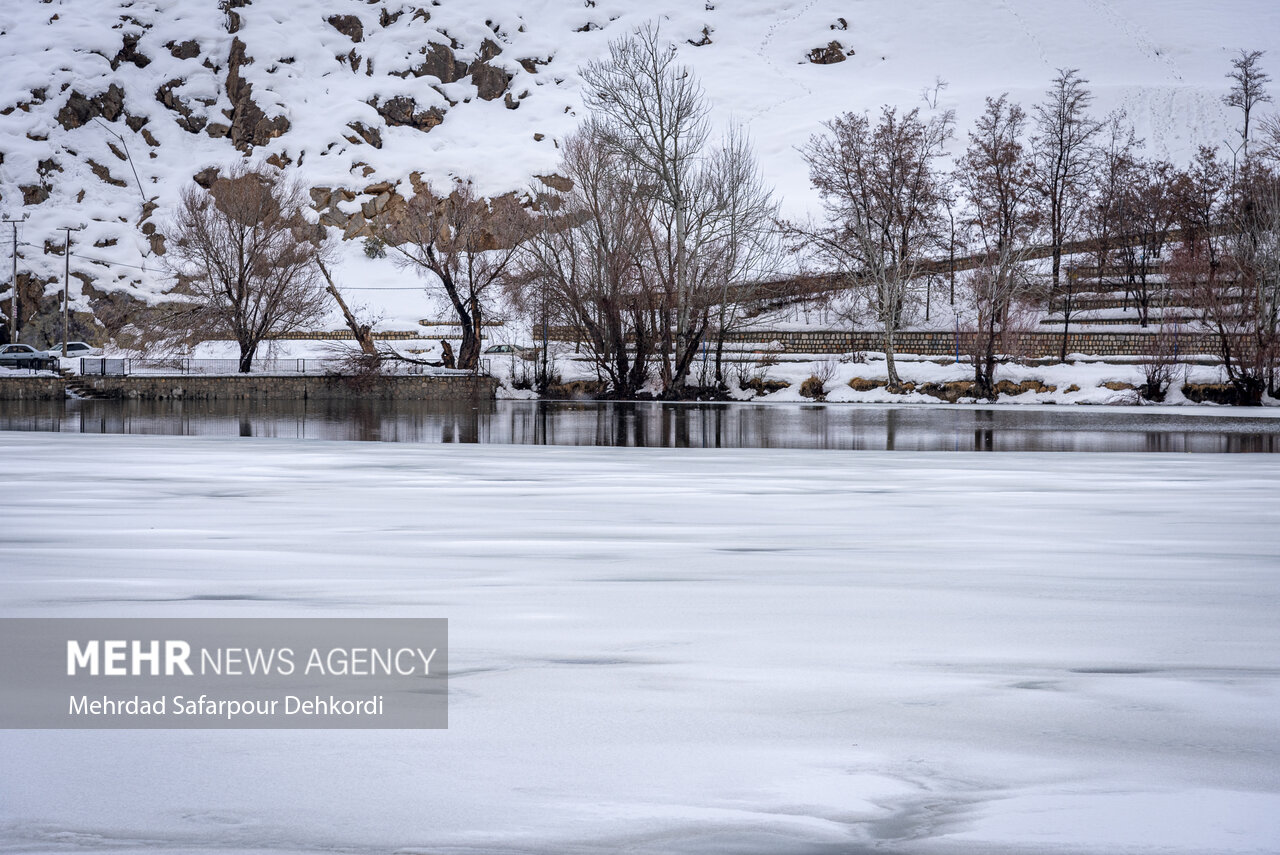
355	94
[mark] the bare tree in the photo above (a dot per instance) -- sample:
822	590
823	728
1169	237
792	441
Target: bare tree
1269	147
997	178
248	259
883	199
580	267
1148	214
370	357
1248	89
1106	212
466	246
738	235
997	310
1062	157
652	114
1200	193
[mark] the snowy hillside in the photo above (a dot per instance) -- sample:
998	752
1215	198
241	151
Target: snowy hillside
357	96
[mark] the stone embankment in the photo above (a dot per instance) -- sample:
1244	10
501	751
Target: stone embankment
460	387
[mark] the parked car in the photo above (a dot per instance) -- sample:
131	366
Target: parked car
75	349
23	356
511	350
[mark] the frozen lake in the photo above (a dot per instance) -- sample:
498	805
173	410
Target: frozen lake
677	425
679	651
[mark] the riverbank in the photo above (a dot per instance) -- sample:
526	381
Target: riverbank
863	379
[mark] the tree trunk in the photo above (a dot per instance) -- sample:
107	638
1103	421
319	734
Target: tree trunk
469	349
1066	318
247	350
894	381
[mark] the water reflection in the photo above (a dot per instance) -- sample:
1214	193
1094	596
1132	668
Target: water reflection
918	428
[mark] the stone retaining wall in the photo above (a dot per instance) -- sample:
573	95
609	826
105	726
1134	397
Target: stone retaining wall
346	335
263	387
32	388
940	343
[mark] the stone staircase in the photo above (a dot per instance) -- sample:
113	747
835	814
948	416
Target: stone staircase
79	387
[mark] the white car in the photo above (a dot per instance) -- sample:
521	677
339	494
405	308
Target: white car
75	350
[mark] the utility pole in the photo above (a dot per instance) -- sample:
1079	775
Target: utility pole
13	301
66	286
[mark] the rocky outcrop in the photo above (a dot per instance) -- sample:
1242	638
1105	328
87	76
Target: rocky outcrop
129	53
832	53
190	49
439	62
403	110
250	126
186	118
80	109
349	25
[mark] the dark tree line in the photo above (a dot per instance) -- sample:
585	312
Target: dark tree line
652	249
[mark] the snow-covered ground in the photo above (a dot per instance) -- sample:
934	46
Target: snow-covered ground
680	651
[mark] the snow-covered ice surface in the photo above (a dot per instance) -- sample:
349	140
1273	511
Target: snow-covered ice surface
680	651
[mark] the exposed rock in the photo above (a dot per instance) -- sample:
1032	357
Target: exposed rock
702	42
217	130
488	50
206	177
491	83
403	110
250	126
556	182
44	167
187	120
348	25
135	123
129	53
386	19
150	138
439	62
372	136
833	52
33	194
190	49
530	64
233	17
79	110
104	174
157	244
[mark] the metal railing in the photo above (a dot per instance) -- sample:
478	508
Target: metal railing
185	366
